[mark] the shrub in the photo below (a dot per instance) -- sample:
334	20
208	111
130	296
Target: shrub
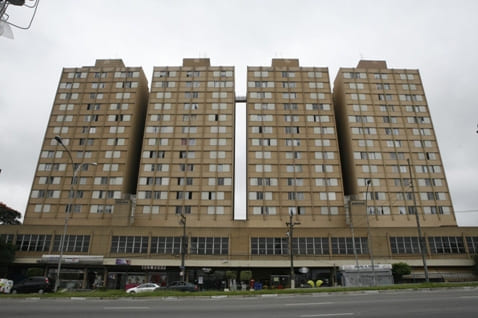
400	269
245	276
475	266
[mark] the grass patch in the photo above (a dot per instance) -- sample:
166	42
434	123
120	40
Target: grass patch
115	293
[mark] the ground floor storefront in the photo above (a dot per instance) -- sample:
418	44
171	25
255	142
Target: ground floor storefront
81	275
116	257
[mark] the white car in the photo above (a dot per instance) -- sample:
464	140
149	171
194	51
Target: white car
147	287
5	286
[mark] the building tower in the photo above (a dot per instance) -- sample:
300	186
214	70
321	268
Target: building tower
293	154
383	122
187	160
99	113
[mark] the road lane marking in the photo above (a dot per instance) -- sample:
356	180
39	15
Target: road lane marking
127	308
329	315
310	304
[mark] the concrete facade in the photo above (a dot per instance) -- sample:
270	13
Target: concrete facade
170	152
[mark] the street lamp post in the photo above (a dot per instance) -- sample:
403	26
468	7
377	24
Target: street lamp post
183	247
421	243
370	251
68	209
291	224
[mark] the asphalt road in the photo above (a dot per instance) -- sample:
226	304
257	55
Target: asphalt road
421	303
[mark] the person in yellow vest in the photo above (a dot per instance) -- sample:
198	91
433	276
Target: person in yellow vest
319	283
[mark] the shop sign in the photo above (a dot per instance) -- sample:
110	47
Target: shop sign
123	261
153	267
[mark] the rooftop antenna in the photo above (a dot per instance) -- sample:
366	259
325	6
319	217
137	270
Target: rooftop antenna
6	23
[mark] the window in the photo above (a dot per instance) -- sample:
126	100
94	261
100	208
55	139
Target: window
364	131
355	75
289	84
288	74
314	74
186	209
185	181
100	75
193	74
392	131
324	168
209	246
191	94
406	76
219	95
356	85
165	74
327	196
358	96
385	97
290	106
129	244
446	245
269	246
380	76
98	85
186	154
261	74
166	245
186	167
119	117
472	243
126	74
345	246
280	246
384	86
289	95
264	210
266	95
73	243
33	242
404	245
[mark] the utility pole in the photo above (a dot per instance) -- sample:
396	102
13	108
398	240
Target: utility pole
183	248
291	225
370	251
353	238
421	242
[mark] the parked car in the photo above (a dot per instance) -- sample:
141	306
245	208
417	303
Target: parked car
147	287
5	286
34	284
182	286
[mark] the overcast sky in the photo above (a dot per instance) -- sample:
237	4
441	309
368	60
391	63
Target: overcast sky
437	37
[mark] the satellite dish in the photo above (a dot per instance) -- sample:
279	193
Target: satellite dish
6	30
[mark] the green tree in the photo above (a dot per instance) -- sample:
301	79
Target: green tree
245	276
475	266
400	269
8	215
7	256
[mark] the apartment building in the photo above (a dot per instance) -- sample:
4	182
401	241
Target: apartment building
293	159
187	161
98	113
156	175
386	130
